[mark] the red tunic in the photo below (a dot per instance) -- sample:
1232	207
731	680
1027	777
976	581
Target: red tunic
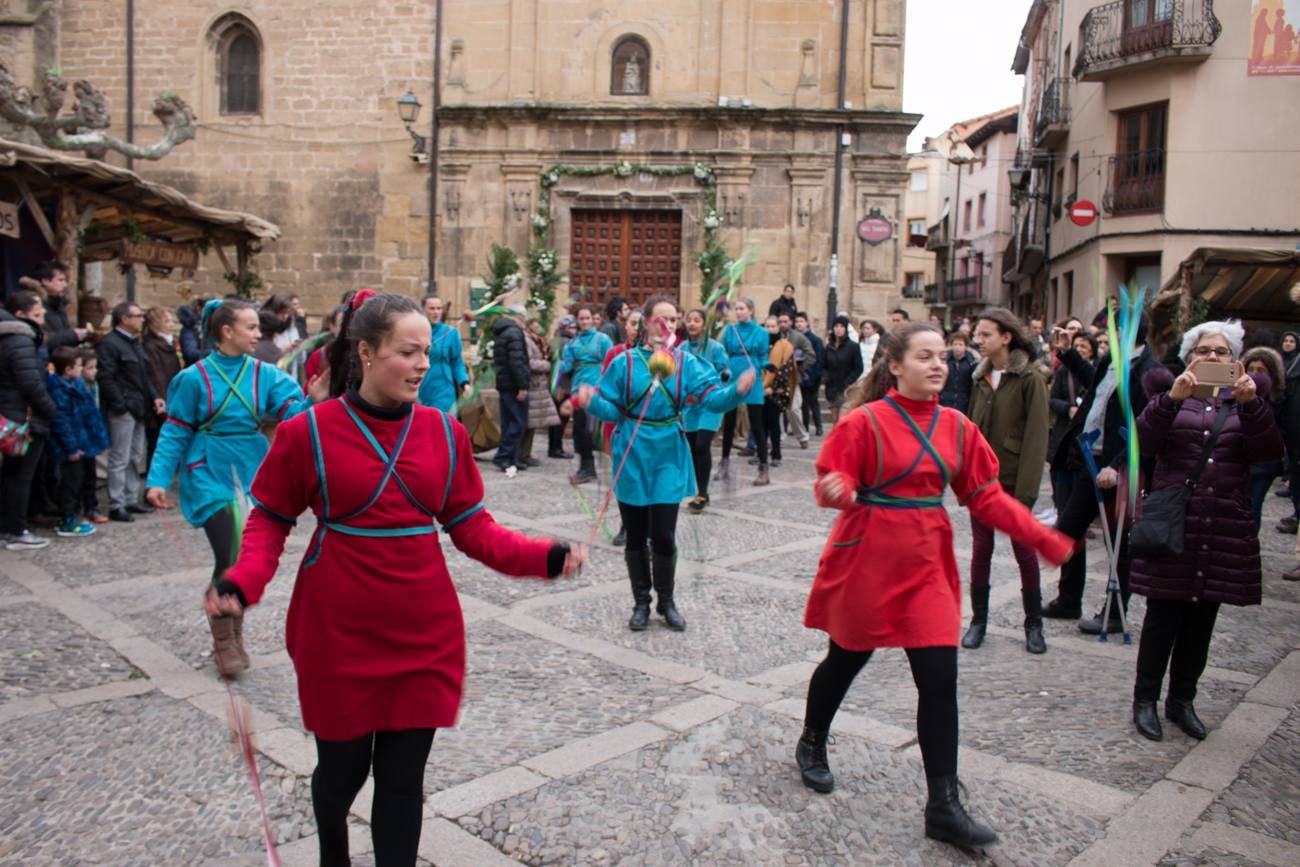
374	626
888	576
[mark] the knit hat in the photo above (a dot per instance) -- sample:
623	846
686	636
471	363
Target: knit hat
841	320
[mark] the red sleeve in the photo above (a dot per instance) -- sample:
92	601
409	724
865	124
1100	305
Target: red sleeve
610	355
313	363
277	498
475	532
977	488
850	449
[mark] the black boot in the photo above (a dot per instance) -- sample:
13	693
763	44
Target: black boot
638	570
620	538
1114	625
947	820
814	767
586	472
1034	640
1147	720
979	621
665	572
1182	713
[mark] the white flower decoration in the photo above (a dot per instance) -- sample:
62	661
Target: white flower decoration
711	220
702	172
623	169
540	221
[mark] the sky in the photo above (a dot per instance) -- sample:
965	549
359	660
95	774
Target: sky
957	61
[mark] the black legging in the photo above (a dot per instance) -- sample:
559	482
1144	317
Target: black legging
223	539
772	413
934	670
397	811
655	525
702	456
582	443
754	411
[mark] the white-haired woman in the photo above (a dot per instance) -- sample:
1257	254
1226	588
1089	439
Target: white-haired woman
1220	560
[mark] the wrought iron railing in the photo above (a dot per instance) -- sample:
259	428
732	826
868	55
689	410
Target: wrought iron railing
1137	182
1122	29
931	293
966	288
1054	108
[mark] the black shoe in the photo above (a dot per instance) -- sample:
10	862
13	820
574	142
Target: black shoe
819	432
1092	626
698	504
1146	720
620	538
1058	610
665	580
814	766
586	473
774	462
947	820
1033	603
1288	525
979	621
638	572
526	463
561	455
121	515
745	452
1182	713
140	509
1284	493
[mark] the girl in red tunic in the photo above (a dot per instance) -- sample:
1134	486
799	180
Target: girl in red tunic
888	576
374	625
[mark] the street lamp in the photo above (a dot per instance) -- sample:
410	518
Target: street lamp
408	109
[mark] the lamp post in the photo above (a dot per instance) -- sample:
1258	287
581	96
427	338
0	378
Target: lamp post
408	109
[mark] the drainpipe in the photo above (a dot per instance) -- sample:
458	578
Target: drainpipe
130	114
832	293
433	146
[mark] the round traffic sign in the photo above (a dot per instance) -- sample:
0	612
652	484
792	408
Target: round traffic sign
1083	212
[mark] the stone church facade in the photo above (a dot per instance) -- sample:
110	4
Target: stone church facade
297	104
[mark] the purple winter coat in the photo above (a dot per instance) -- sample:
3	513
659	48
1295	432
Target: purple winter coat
1220	560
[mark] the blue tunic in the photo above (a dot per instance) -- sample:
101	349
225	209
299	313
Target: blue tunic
447	375
583	356
695	416
211	435
751	355
657	468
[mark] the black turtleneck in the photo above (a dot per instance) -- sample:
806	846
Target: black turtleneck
395	413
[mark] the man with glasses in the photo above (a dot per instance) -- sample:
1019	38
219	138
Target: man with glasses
127	395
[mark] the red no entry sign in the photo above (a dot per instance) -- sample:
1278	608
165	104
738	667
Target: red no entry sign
1083	212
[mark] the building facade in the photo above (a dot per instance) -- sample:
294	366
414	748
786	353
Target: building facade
921	208
298	122
1150	130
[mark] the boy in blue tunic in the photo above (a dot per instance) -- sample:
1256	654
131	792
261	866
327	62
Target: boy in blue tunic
447	378
649	444
701	424
581	360
746	343
212	438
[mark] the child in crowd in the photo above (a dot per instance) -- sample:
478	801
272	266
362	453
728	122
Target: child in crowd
77	435
90	473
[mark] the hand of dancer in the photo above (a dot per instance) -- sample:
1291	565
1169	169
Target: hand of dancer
584	396
318	387
574	560
566	409
1186	381
835	490
159	406
1107	478
219	606
1244	388
157	498
745	381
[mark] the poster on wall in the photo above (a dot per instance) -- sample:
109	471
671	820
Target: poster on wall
1274	38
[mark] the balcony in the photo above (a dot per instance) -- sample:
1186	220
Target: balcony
965	290
1137	183
937	237
1131	34
1053	114
931	294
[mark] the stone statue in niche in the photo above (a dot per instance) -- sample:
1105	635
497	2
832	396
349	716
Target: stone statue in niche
808	64
632	74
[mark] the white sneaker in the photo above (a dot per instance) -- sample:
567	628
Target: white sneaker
1047	516
28	541
512	471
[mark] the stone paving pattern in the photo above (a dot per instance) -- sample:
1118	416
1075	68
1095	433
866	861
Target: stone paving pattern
583	743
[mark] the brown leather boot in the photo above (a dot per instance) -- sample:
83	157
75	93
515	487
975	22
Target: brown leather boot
762	478
239	640
227	646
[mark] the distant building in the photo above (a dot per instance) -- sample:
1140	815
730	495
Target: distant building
921	208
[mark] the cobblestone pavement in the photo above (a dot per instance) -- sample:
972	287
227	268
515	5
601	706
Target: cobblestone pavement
583	743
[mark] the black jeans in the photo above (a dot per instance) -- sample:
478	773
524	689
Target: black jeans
89	486
514	420
654	525
16	476
934	671
223	538
1175	635
70	473
1074	520
811	409
772	413
754	412
702	457
398	760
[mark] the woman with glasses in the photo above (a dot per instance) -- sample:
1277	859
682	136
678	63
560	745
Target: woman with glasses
1220	560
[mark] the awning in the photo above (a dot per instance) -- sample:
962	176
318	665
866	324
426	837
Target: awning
1247	283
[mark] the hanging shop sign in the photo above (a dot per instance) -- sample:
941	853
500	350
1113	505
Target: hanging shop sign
875	227
9	219
160	254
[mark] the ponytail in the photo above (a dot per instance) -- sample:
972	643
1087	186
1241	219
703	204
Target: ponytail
368	317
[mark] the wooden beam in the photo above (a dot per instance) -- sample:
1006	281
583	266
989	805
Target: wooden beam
37	214
221	254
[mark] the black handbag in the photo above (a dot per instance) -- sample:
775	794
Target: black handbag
1159	532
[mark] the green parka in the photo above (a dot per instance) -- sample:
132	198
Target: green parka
1016	422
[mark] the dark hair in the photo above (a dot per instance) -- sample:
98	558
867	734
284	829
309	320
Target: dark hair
593	309
63	357
787	286
1008	323
901	312
879	380
371	322
224	315
47	270
1083	335
120	312
959	335
800	313
88	355
429	296
279	302
612	307
22	301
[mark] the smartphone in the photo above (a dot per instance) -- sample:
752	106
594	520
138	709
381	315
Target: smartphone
1213	375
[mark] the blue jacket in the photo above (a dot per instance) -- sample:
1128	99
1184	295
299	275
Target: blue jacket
446	376
583	357
695	416
746	344
78	426
811	374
